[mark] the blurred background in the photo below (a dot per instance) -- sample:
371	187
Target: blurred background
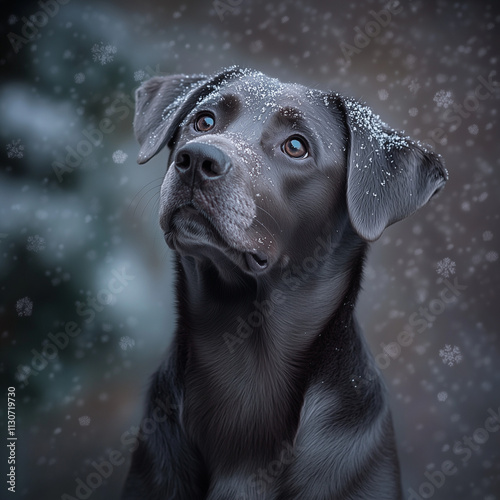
86	304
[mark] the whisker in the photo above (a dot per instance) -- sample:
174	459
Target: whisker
264	226
153	197
141	196
266	212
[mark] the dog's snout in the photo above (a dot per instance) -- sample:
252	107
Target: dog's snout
201	162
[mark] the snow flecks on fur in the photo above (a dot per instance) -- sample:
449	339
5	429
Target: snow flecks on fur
375	129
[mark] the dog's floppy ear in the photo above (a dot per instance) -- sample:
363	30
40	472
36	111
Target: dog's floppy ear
389	176
156	101
163	102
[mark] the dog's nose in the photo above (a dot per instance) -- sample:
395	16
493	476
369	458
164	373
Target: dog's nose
198	162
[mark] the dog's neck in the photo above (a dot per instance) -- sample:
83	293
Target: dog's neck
263	333
226	311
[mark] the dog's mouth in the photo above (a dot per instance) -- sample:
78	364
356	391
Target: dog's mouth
256	261
189	229
188	225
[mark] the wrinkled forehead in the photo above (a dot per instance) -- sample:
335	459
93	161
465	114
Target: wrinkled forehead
264	97
259	92
261	89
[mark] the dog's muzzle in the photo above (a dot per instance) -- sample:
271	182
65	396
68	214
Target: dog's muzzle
197	163
207	200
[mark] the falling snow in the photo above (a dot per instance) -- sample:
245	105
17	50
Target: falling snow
68	99
23	373
442	396
446	267
140	75
119	156
443	98
103	54
79	77
15	149
473	129
414	87
450	355
127	343
35	243
491	256
24	307
383	95
84	420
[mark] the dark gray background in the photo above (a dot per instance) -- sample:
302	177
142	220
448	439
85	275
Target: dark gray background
62	239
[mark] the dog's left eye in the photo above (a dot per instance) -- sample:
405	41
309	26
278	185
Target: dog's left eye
204	122
295	147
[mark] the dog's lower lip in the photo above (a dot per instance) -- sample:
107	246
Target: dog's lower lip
168	238
256	261
187	208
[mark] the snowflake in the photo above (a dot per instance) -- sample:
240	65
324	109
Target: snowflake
473	129
383	94
23	373
84	421
24	307
119	156
79	78
13	19
140	75
103	53
414	86
15	149
491	256
450	355
442	396
487	236
35	243
445	267
127	343
443	98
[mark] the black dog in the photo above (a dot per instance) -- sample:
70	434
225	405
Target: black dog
271	195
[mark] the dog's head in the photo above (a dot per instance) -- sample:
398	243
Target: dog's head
256	164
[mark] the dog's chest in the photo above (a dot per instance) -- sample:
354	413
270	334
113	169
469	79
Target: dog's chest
233	408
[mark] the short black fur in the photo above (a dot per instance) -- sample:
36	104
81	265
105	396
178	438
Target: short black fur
268	389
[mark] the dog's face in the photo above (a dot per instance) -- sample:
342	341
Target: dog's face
255	164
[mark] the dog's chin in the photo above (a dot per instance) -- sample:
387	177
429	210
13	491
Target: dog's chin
190	233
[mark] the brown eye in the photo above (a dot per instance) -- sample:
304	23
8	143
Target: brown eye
295	148
204	123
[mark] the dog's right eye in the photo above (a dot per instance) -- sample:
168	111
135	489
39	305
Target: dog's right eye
295	147
204	122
